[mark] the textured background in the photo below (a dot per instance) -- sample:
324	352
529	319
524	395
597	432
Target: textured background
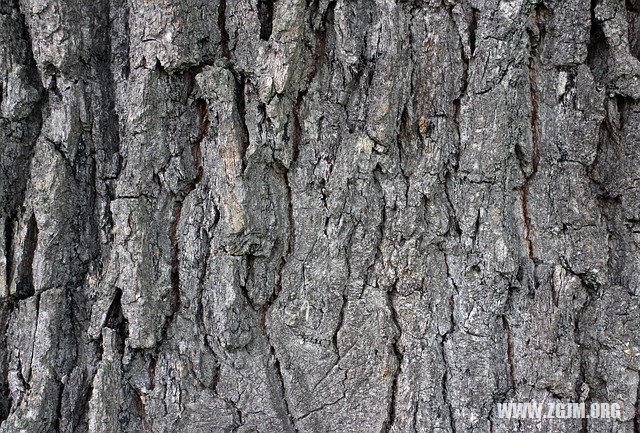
317	216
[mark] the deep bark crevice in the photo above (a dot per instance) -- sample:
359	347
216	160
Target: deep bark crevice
338	327
117	321
285	401
397	352
222	26
473	29
532	168
510	352
265	16
175	267
24	287
445	387
597	48
8	249
241	107
58	418
27	380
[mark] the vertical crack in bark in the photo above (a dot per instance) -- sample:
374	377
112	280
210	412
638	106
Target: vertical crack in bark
111	120
20	275
33	123
249	261
140	404
274	295
241	108
240	421
267	306
199	314
524	189
456	123
200	321
320	37
473	28
27	380
295	138
597	48
8	249
127	57
510	351
151	370
414	417
56	422
339	324
291	234
265	16
175	267
272	351
222	26
295	142
25	288
455	225
117	321
393	315
391	416
581	380
285	401
445	380
457	106
196	153
296	135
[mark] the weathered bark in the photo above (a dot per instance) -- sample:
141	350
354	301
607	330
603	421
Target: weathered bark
317	216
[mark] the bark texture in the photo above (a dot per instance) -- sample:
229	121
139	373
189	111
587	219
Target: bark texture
317	215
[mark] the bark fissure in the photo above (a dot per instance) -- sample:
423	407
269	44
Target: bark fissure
473	28
27	380
249	260
265	15
196	153
525	187
25	287
56	421
240	106
8	249
510	351
222	26
285	401
445	388
334	338
397	352
175	265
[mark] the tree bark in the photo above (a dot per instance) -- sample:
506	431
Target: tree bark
317	216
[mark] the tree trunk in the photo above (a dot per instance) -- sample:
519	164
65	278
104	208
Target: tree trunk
318	216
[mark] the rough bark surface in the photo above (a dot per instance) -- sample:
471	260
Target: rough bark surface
317	215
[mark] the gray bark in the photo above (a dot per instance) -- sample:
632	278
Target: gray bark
317	216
